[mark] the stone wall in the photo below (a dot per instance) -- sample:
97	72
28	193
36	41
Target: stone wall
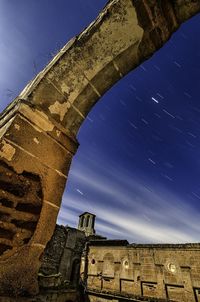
158	271
61	260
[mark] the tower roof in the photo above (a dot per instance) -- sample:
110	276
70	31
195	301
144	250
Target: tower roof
87	213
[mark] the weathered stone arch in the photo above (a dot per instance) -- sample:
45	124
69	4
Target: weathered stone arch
46	116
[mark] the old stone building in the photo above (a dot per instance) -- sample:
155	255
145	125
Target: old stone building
62	256
93	269
59	273
79	266
118	271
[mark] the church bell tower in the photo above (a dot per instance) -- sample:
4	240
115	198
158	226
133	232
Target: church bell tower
86	223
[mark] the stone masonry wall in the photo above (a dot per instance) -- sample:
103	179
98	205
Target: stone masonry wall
158	271
62	258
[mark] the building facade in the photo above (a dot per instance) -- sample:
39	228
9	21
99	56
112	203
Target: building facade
118	271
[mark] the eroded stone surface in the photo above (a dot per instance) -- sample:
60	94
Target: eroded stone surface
20	207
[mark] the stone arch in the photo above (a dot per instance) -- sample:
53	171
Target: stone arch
50	110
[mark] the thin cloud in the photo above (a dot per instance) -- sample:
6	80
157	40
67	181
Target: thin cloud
128	226
129	209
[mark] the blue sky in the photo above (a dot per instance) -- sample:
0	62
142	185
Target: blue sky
138	166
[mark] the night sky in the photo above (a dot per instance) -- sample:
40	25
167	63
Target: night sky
138	164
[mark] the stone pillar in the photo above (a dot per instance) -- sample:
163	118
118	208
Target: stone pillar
36	154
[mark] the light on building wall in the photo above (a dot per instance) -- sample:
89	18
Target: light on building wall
126	264
171	267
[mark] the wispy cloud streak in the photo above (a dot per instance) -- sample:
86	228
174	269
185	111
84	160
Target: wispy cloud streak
126	207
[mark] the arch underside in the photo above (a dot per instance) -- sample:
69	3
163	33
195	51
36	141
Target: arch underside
47	115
